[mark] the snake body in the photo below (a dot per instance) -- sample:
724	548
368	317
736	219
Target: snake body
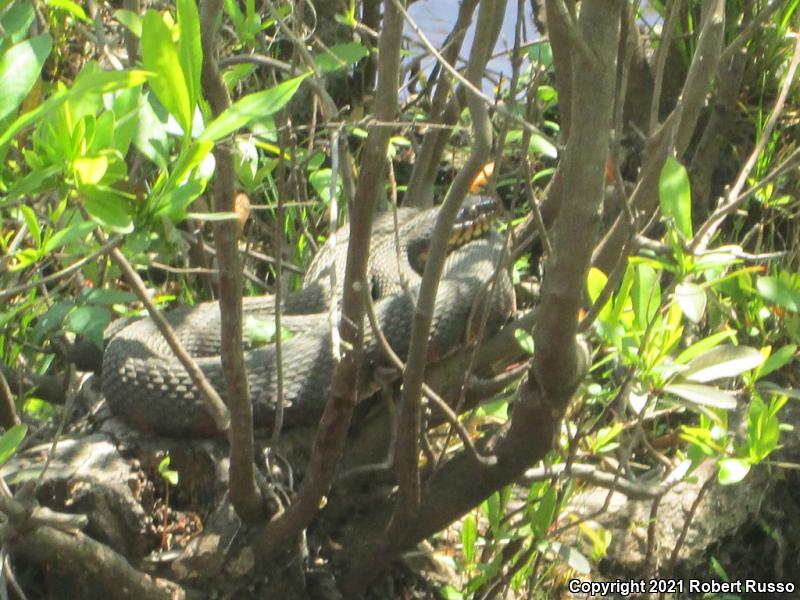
146	386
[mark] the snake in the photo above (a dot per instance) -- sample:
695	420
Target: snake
148	389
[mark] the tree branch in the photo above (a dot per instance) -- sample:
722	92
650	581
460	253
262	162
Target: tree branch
330	438
245	495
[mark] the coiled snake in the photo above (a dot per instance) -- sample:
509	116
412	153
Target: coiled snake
146	386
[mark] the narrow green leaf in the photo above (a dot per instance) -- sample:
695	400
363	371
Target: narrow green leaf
32	221
777	360
190	51
167	80
67	235
705	344
691	299
20	66
722	361
675	197
646	294
469	535
704	395
10	441
252	107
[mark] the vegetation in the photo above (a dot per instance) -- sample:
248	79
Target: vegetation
648	163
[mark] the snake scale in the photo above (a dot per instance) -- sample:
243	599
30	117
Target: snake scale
146	386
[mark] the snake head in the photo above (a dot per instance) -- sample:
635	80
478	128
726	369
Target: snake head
474	219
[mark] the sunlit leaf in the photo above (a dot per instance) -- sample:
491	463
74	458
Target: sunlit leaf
722	361
691	298
779	292
675	197
90	169
20	66
732	470
703	345
167	81
11	440
95	83
252	107
524	339
469	535
777	360
190	51
704	395
108	208
71	7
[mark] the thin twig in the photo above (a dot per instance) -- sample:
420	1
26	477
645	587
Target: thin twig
734	198
104	249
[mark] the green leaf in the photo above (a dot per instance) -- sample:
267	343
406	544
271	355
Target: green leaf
340	56
95	83
174	203
542	515
108	297
10	441
90	169
67	235
777	360
646	294
572	557
595	283
168	474
252	107
704	395
131	20
779	292
75	9
541	145
691	299
732	470
469	535
89	321
191	155
524	339
20	67
722	361
167	80
705	344
108	208
190	51
151	137
675	197
16	21
259	332
320	180
32	221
